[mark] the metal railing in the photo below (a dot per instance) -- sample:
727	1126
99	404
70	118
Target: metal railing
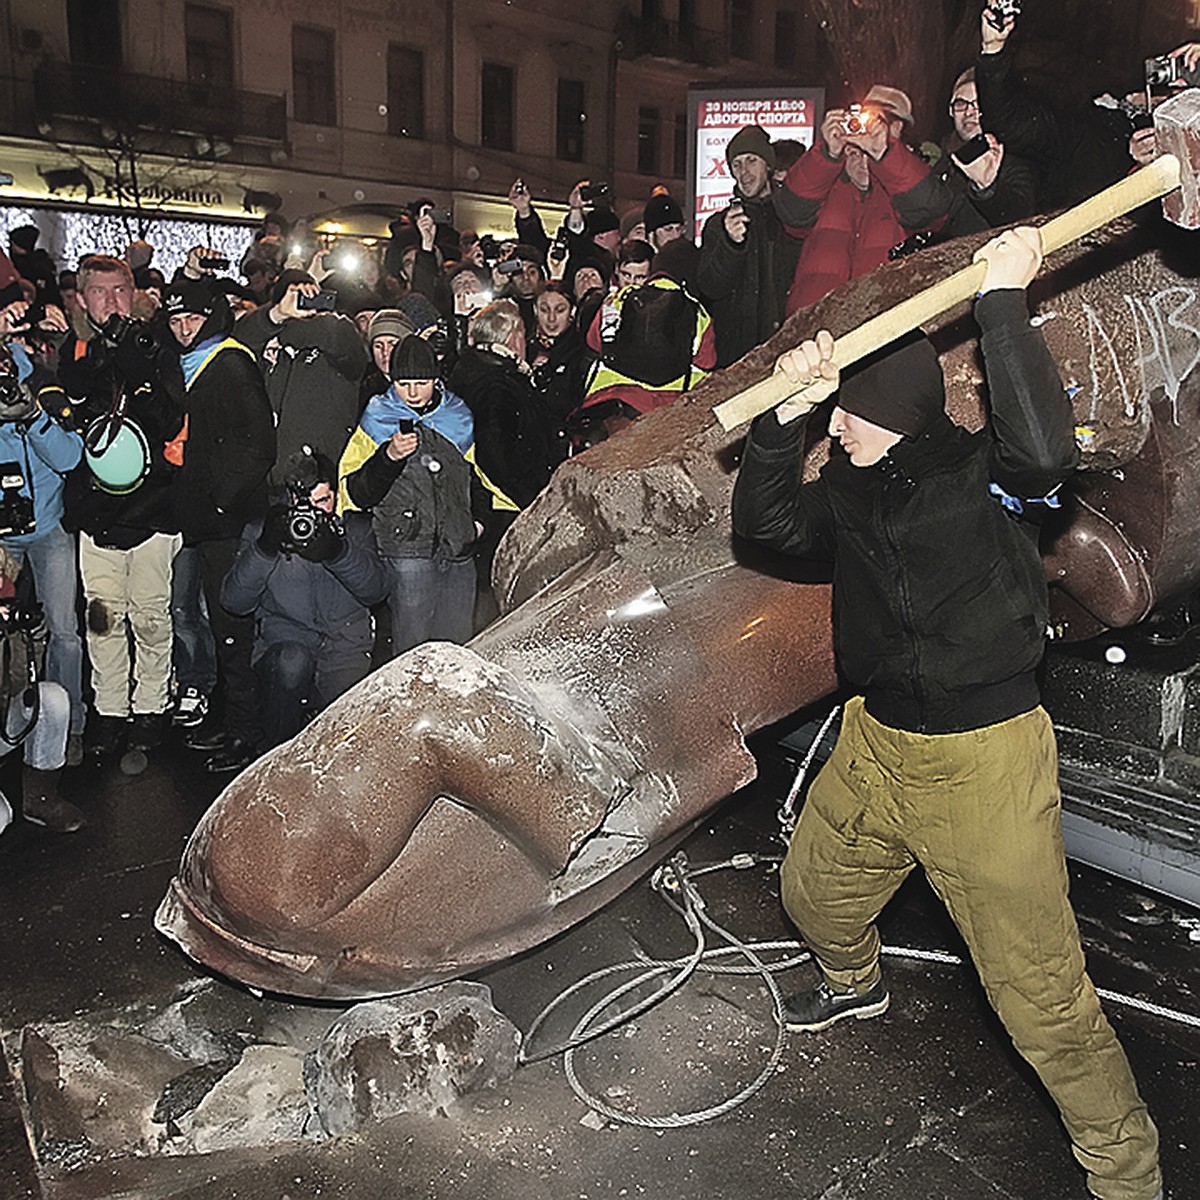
149	102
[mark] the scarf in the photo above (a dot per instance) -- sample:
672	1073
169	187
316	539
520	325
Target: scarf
446	414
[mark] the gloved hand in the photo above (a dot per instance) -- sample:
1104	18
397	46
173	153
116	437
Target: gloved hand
275	530
325	544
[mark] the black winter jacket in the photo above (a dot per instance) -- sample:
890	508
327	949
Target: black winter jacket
323	606
312	379
1077	150
91	372
745	285
514	435
940	605
229	449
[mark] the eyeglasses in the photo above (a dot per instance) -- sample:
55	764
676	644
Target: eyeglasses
960	106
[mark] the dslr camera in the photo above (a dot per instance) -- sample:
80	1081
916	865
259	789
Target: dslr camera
17	403
16	510
118	329
306	521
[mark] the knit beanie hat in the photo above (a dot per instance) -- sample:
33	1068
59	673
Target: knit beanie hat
413	358
662	210
899	388
24	237
633	217
419	310
751	139
389	322
601	220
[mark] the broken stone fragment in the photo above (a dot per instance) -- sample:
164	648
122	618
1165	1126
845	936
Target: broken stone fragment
418	1053
258	1103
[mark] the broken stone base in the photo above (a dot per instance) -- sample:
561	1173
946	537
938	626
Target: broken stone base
217	1069
418	1053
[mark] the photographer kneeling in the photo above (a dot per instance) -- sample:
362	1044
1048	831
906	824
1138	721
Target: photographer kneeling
36	716
309	579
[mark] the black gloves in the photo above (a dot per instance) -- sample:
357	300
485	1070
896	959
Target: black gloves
325	543
275	530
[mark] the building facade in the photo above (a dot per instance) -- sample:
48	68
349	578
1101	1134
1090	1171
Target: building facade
345	110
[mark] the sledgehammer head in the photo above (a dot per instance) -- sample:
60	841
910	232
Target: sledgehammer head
1177	128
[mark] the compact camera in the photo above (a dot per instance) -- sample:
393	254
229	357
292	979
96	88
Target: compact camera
1162	72
857	119
16	509
593	191
558	247
510	266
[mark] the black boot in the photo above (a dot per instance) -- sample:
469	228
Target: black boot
106	738
43	805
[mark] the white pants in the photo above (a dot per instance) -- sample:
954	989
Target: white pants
129	592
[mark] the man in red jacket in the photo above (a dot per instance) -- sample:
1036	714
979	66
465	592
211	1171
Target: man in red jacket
859	192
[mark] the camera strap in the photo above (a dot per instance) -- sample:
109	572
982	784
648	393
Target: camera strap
116	450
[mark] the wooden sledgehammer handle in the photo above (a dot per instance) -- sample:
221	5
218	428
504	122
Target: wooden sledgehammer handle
1152	181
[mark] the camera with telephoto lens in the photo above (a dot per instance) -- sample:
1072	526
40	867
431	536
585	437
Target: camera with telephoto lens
16	509
999	11
1162	72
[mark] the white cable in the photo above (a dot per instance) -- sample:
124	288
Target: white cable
678	876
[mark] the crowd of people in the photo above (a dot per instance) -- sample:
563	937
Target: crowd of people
213	485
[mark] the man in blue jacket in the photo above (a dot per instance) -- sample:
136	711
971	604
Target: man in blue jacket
308	578
44	451
945	757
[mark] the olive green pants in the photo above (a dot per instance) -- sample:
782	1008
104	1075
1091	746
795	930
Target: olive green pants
980	812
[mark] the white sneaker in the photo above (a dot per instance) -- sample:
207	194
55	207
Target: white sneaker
191	708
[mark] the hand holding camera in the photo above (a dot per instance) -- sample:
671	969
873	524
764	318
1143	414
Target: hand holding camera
274	535
203	260
403	442
998	20
833	133
737	222
866	128
979	159
300	300
427	228
519	198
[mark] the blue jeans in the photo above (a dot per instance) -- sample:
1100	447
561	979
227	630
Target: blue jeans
431	600
195	652
45	741
56	578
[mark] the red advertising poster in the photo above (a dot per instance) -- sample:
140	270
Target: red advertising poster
716	115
